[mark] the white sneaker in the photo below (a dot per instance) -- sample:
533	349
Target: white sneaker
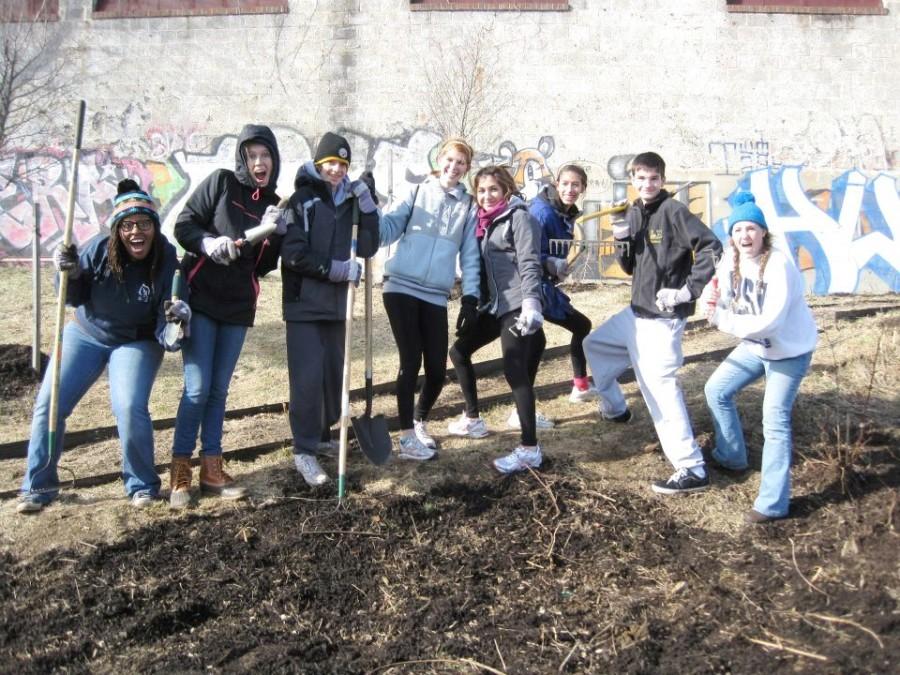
540	422
142	499
422	434
410	447
308	467
466	426
29	504
519	460
584	395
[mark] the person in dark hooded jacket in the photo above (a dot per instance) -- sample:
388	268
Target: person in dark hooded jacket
222	269
315	271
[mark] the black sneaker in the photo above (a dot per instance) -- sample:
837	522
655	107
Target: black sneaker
624	418
681	482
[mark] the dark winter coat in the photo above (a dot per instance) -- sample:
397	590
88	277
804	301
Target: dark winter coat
318	231
230	203
557	221
667	247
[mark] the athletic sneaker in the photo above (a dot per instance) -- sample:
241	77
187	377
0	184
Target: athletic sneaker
540	422
466	426
584	395
29	504
519	460
410	447
624	418
308	467
143	498
682	481
419	426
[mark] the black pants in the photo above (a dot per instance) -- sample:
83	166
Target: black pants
579	326
420	330
315	357
521	357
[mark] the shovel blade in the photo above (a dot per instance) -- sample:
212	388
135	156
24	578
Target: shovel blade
373	438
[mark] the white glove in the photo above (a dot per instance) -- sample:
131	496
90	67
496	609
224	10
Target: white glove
221	250
668	298
361	190
621	229
345	270
557	267
530	319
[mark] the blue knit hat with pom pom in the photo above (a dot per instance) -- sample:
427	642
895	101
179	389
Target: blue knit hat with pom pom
745	208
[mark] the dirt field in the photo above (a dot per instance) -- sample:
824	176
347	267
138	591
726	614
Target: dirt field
445	568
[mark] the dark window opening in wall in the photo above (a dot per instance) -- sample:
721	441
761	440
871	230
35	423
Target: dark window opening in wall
807	6
29	10
492	5
120	9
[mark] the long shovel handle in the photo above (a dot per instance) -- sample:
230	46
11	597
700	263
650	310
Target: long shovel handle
369	389
345	387
63	286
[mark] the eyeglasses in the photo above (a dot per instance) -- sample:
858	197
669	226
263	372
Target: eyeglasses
132	225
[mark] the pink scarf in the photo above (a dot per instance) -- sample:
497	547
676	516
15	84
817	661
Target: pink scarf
485	218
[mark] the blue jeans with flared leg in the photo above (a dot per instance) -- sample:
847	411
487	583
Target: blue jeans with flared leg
783	376
210	355
132	370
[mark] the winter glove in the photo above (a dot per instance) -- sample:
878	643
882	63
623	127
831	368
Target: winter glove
345	270
274	215
368	178
178	311
65	259
363	196
468	315
530	319
668	298
621	229
221	250
557	267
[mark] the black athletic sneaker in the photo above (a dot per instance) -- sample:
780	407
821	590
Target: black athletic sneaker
624	418
681	482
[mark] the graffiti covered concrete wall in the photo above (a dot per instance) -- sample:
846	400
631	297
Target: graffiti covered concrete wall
843	227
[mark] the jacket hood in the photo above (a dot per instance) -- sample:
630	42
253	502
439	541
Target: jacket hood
550	195
308	175
515	202
256	133
655	204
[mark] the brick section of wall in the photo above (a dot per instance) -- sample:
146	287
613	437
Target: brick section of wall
492	5
121	9
807	6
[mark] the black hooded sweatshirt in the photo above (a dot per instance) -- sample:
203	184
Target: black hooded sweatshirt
230	203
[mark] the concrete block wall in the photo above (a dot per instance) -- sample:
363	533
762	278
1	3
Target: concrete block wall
722	96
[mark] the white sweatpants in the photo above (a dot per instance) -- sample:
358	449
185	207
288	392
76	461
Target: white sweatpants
653	348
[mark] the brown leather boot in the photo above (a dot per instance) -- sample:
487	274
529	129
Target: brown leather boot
214	480
180	482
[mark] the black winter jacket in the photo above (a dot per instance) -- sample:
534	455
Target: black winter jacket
668	247
318	232
229	203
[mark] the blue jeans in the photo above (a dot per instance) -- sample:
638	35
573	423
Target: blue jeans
739	369
210	355
132	370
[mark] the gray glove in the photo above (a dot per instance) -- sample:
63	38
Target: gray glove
178	311
345	270
530	319
361	190
221	250
275	215
621	229
668	298
557	267
65	260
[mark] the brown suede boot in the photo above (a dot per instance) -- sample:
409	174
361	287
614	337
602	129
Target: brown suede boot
214	480
180	482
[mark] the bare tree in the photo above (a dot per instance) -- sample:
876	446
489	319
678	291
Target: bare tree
465	92
33	86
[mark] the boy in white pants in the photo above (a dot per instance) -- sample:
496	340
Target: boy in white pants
671	256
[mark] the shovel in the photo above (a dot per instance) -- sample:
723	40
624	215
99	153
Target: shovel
174	331
345	385
371	432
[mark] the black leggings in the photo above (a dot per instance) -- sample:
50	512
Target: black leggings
521	357
579	326
420	329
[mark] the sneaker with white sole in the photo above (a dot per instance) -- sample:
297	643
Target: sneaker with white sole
540	421
419	426
410	447
308	467
519	459
467	426
29	504
683	481
622	418
584	395
143	498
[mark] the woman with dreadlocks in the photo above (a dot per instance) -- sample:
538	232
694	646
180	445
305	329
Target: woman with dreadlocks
120	286
760	300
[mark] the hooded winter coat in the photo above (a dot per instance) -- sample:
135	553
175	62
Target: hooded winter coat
318	231
230	203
